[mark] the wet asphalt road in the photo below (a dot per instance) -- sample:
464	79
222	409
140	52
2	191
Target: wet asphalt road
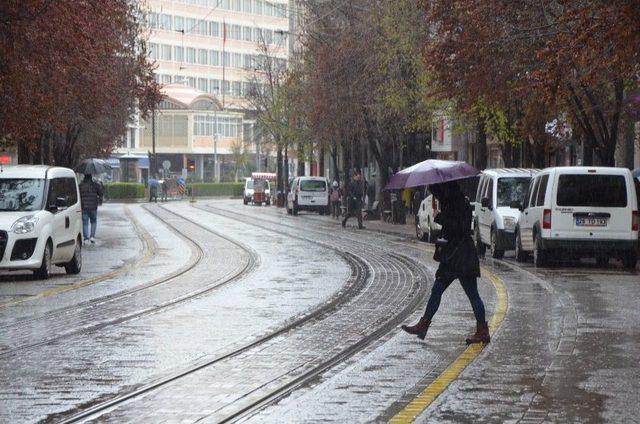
189	284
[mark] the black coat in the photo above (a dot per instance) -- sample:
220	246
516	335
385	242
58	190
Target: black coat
90	195
461	258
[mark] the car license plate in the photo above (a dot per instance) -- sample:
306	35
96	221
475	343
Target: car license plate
591	222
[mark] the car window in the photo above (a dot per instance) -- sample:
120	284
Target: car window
71	191
512	189
490	192
542	190
56	189
313	185
534	194
481	187
249	185
21	194
592	190
525	201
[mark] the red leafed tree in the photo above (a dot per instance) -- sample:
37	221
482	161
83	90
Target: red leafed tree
72	73
538	60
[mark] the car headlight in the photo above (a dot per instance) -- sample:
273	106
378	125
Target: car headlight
509	223
24	225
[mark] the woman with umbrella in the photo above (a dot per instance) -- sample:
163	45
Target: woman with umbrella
456	253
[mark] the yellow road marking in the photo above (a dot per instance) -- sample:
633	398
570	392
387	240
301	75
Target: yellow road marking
428	395
150	247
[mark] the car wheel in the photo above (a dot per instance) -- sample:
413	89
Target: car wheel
295	208
495	252
539	255
75	264
288	210
480	246
245	201
629	260
521	255
44	271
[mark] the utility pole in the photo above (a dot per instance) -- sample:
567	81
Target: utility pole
152	171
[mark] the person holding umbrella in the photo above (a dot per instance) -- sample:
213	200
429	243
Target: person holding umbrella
90	196
456	251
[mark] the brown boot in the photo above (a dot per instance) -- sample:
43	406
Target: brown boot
482	334
420	329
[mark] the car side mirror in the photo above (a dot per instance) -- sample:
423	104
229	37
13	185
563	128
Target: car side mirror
485	203
61	203
516	205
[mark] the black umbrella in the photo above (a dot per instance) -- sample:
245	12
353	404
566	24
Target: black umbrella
93	166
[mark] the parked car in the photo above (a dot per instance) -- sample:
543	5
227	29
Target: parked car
308	194
40	219
580	211
249	190
426	228
496	217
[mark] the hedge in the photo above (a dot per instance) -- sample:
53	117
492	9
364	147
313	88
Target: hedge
216	189
124	190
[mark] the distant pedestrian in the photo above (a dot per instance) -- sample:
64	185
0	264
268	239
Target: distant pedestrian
334	197
165	190
354	199
90	195
458	260
153	189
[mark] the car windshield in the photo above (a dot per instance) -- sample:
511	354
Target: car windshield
592	190
512	190
249	185
18	194
313	185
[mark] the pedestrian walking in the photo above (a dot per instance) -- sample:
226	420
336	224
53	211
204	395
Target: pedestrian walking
354	196
165	190
153	189
458	260
334	197
90	197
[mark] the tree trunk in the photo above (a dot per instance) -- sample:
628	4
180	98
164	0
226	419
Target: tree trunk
301	159
481	146
321	162
333	150
286	168
279	184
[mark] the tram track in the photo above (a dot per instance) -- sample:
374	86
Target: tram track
89	307
362	272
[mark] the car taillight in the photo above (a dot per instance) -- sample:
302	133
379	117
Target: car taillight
546	219
635	220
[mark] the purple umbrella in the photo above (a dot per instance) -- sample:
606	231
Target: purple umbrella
430	171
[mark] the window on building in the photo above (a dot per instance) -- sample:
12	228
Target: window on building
279	38
214	86
257	35
236	60
191	55
214	29
203	84
268	8
190	26
237	5
227	87
203	57
178	23
246	6
165	52
226	4
236	89
202	28
165	22
214	58
191	82
236	32
152	20
258	7
166	79
226	59
178	54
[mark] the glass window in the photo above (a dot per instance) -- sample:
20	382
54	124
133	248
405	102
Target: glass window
178	54
268	9
246	6
247	34
191	82
236	60
237	88
71	191
490	191
166	79
57	188
165	52
190	26
534	193
152	20
313	185
214	29
203	84
542	190
203	28
227	87
178	23
191	55
512	190
214	58
203	58
236	32
165	22
592	190
226	60
258	7
153	51
268	36
214	86
257	35
19	194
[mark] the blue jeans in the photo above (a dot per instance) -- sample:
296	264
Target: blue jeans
470	286
86	217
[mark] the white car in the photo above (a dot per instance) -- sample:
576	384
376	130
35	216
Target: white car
579	212
247	192
40	219
308	194
499	193
426	227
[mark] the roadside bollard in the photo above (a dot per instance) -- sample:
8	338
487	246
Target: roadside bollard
192	194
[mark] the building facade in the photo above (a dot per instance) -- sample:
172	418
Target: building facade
209	55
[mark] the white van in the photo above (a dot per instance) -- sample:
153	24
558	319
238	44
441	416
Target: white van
308	194
247	192
499	193
580	211
40	219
